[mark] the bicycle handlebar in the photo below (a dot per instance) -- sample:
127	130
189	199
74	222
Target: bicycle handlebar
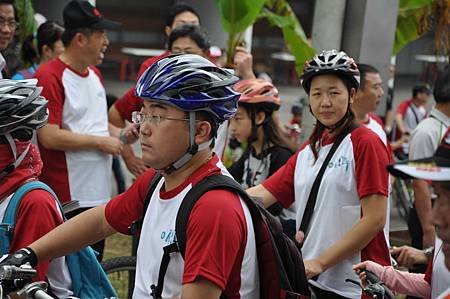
8	272
375	288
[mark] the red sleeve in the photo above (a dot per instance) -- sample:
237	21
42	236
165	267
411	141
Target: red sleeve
403	107
371	160
217	233
122	210
127	104
37	215
429	271
281	183
53	91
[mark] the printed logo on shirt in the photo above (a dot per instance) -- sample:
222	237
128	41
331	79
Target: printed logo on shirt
341	162
168	236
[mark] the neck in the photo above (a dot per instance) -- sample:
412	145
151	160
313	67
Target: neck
361	116
259	142
70	58
444	108
177	177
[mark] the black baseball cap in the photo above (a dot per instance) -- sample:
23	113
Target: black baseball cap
81	14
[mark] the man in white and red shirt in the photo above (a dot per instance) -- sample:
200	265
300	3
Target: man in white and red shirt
178	124
409	114
76	146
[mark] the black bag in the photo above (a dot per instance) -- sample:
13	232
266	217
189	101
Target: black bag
281	269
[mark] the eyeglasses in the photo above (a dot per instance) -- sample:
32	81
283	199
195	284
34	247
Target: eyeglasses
11	24
140	118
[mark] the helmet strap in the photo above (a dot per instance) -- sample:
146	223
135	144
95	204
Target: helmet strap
191	151
17	160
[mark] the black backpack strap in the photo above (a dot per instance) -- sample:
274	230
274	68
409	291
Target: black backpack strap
312	198
215	181
137	225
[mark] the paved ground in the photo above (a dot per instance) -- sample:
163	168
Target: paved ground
289	96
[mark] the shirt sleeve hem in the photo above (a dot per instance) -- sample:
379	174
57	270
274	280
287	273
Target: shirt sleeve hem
204	273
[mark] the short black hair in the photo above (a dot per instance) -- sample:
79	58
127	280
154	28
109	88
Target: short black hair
365	69
10	2
177	9
441	90
420	88
69	34
195	33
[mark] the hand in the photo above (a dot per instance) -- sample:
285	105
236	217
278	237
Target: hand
109	145
135	165
313	268
360	271
243	63
130	134
19	258
408	256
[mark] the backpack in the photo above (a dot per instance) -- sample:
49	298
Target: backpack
281	269
88	278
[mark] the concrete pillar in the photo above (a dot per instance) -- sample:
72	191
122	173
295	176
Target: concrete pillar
210	20
369	34
328	23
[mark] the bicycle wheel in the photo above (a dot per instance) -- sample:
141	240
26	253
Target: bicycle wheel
403	198
121	272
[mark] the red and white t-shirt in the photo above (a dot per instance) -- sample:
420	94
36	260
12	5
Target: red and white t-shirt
76	102
220	245
356	170
37	214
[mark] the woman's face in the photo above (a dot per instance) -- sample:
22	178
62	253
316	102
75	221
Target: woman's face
329	99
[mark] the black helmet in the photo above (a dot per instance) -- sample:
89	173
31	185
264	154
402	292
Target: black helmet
330	62
21	106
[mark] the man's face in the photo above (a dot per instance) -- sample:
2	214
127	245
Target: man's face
7	25
441	217
96	46
370	96
165	141
423	97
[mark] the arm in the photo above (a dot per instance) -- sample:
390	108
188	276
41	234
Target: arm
201	288
422	202
411	284
261	192
407	256
399	122
85	229
51	136
133	163
372	222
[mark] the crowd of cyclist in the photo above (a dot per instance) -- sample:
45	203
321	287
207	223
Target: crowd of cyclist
331	194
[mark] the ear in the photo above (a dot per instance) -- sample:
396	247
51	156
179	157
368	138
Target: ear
260	117
80	39
352	95
46	51
203	130
168	30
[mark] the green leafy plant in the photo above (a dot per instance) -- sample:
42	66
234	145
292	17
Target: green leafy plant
238	15
417	17
25	13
